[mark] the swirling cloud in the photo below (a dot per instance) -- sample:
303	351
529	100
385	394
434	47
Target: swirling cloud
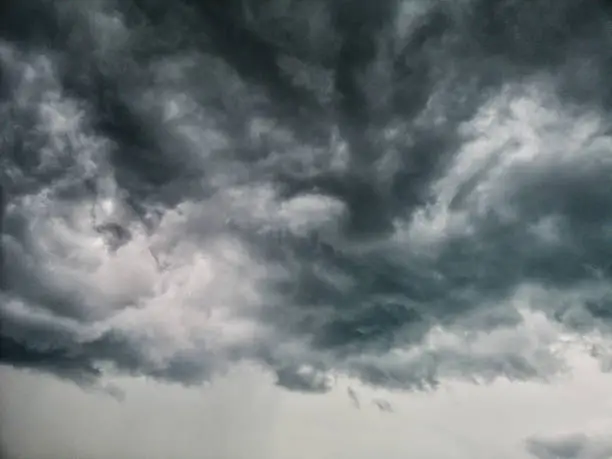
399	192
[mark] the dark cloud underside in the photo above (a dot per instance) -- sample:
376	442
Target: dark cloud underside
393	190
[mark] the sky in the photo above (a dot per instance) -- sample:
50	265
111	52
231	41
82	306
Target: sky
291	228
243	415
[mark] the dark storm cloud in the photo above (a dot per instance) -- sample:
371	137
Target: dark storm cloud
375	189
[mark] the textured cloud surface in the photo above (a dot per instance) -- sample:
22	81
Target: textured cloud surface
394	191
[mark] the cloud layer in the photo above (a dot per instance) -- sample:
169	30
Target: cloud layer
392	191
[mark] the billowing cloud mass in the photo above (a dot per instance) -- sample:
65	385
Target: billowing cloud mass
394	191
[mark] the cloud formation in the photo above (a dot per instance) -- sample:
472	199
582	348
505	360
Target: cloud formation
397	191
573	446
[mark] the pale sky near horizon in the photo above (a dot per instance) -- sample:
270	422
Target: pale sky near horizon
245	416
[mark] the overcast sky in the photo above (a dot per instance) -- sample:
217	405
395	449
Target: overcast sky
245	416
306	228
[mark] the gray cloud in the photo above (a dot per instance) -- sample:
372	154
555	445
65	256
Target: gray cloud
383	405
353	397
395	191
573	446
